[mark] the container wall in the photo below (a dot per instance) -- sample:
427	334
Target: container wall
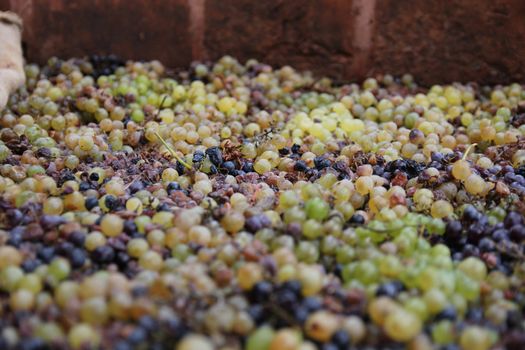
437	41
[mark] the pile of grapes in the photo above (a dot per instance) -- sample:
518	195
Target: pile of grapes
236	206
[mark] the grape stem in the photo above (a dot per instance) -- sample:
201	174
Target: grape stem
173	153
281	313
469	148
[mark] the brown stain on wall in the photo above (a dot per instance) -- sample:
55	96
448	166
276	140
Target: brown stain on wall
197	28
437	41
363	33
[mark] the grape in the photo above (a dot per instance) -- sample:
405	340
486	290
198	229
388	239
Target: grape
31	282
316	209
474	184
441	209
9	256
476	338
10	277
94	311
443	333
111	225
321	326
134	204
233	222
150	260
59	269
435	300
81	335
461	170
364	185
467	287
380	308
311	280
262	166
248	275
402	325
53	206
350	125
260	339
285	339
473	268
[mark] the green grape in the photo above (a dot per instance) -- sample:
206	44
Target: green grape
260	339
4	152
475	338
307	252
467	287
317	209
81	335
473	268
137	116
59	269
10	277
366	272
345	254
402	325
312	229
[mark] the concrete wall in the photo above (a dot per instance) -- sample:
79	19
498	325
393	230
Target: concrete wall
437	41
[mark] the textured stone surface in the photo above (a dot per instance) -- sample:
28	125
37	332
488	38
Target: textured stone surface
437	41
308	34
153	29
453	40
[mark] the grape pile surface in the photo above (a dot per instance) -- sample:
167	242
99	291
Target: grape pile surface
239	206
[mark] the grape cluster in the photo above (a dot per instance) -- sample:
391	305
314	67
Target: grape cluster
239	206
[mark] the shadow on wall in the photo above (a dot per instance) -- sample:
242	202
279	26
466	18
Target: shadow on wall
437	41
